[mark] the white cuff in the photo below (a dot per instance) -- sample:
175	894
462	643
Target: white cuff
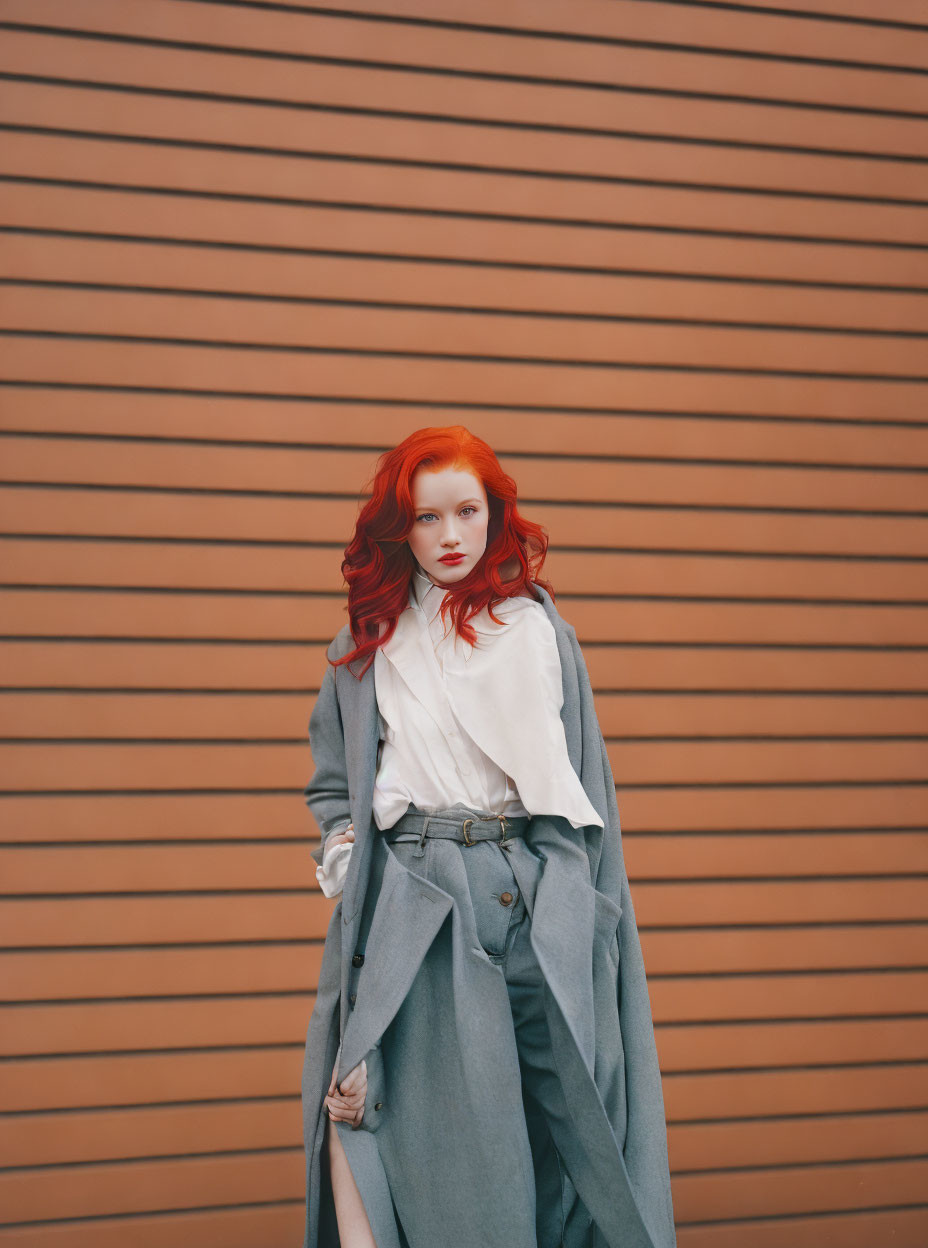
331	875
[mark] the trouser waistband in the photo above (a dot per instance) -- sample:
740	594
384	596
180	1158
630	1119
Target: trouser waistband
457	825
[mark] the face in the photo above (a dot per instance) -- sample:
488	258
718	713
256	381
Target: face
449	530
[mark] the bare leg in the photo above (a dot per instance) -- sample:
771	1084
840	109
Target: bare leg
354	1229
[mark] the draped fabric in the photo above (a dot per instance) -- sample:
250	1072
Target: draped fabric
474	725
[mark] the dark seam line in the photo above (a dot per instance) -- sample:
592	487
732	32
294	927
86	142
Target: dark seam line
401	404
541	314
297	693
138	998
174	1049
541	362
155	1214
664	787
578	457
824	1163
479	75
451	119
443	214
425	260
897	606
734	553
709	739
789	1020
399	163
842	1214
618	506
740	692
861	926
518	31
773	10
795	1115
919	926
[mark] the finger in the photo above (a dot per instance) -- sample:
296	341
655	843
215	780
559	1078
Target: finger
357	1078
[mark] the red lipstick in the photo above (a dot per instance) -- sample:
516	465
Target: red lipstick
451	559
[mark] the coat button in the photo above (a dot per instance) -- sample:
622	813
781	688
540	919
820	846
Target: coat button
379	1105
352	997
505	899
358	959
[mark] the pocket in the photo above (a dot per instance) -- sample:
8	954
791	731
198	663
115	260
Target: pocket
375	1099
329	829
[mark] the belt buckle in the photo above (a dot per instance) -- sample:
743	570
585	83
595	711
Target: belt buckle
502	824
467	840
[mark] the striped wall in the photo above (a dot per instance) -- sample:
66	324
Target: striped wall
671	260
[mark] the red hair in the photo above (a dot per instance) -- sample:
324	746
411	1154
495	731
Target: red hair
379	564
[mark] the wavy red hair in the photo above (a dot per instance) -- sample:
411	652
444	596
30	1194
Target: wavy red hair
379	564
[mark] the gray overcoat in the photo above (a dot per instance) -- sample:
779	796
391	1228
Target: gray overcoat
446	1149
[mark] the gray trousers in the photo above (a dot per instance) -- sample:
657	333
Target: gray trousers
502	921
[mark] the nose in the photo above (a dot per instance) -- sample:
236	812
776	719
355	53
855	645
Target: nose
449	533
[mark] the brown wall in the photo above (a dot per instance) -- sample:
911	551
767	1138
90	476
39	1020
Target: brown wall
671	260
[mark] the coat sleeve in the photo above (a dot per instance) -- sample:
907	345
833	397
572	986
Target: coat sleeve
645	1146
326	793
646	1156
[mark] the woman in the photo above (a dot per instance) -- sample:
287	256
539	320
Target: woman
480	1064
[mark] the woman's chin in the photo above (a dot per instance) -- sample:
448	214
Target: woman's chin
448	573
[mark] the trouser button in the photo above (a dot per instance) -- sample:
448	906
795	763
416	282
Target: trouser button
505	899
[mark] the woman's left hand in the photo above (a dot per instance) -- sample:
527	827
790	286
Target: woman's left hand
346	1104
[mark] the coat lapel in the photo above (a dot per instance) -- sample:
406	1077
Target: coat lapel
358	706
410	910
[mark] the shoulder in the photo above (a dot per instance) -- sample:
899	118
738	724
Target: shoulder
341	644
540	616
519	613
546	605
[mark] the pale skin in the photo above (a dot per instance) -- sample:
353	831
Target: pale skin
451	515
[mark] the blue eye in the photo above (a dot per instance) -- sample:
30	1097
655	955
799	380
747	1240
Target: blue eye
431	514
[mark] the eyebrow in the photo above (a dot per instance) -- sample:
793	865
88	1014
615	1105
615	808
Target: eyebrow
460	504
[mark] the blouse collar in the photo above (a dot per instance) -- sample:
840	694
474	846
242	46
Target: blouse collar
425	593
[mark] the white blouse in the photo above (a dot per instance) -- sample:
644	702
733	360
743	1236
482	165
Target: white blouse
477	726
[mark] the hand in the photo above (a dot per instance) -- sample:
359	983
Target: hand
347	834
347	1105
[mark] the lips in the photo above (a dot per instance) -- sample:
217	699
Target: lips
451	559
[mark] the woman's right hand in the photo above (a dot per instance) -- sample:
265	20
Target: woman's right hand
333	868
347	834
